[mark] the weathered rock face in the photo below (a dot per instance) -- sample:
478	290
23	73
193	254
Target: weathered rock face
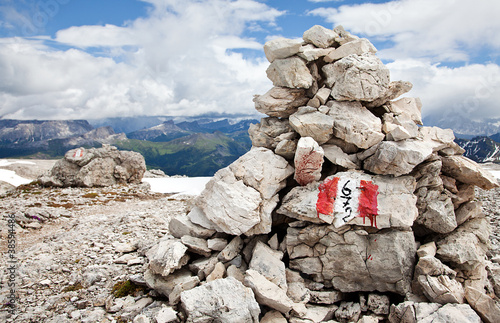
104	166
369	187
222	300
357	78
381	261
242	196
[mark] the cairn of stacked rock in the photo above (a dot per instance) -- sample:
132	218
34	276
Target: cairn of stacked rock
345	209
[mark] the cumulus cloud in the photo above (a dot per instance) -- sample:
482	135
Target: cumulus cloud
182	59
320	1
470	91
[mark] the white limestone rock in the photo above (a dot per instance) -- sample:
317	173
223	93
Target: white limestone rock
358	47
484	305
267	264
357	78
338	157
411	312
396	204
467	171
344	36
311	53
320	36
222	300
268	293
441	289
166	256
395	90
408	106
308	161
180	226
262	170
309	122
355	124
281	48
290	72
436	211
232	206
398	157
280	101
270	132
399	127
370	261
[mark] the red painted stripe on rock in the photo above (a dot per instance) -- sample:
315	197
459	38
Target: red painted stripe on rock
368	206
326	196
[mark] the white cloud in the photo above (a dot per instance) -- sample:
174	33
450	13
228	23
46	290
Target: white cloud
472	90
179	60
320	1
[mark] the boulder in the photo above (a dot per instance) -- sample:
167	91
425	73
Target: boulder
344	36
229	204
355	124
410	312
270	132
467	171
484	305
320	36
180	226
262	170
463	249
399	127
395	90
357	47
166	256
222	300
290	72
311	53
380	261
409	106
441	289
268	293
338	157
391	204
99	167
398	157
265	262
281	48
436	211
357	78
308	161
309	122
286	148
280	102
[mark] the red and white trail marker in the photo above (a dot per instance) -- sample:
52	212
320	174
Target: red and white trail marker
345	198
78	153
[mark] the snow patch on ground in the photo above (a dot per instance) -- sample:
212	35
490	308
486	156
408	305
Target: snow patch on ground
12	178
495	173
5	162
181	186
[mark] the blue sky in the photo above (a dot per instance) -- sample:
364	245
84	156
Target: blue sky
64	59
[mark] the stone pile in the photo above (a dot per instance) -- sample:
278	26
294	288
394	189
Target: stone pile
96	167
345	209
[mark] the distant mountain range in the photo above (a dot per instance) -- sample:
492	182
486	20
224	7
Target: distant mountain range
189	147
481	149
183	146
464	127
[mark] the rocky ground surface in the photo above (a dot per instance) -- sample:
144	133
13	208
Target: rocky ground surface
78	249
